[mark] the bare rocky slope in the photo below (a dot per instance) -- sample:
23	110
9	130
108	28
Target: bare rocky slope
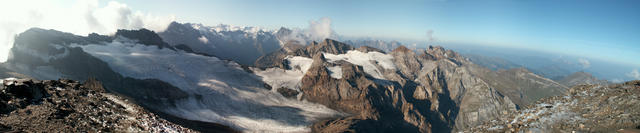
584	108
49	54
432	90
28	105
581	78
519	84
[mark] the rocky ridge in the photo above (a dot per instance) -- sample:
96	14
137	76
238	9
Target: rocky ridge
28	105
584	108
429	91
581	78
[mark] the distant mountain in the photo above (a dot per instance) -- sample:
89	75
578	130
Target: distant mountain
519	84
493	63
386	46
581	78
241	44
551	65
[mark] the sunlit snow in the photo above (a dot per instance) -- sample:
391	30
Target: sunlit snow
229	95
368	61
277	77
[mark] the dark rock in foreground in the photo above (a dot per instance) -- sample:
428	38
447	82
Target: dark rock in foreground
69	106
585	108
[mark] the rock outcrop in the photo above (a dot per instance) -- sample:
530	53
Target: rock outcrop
28	105
584	108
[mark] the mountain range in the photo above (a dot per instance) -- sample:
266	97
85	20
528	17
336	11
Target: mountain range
229	79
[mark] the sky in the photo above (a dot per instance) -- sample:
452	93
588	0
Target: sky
606	30
596	29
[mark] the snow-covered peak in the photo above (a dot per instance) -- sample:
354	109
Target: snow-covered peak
228	28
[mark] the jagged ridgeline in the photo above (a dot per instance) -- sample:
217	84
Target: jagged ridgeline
324	86
403	90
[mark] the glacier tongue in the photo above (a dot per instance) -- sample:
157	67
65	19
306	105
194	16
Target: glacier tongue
221	91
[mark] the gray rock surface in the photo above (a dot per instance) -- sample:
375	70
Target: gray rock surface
28	105
584	108
429	92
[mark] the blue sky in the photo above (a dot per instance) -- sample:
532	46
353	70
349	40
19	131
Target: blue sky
607	30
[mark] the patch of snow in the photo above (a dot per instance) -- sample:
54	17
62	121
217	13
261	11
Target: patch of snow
220	91
116	100
303	63
335	71
369	61
277	77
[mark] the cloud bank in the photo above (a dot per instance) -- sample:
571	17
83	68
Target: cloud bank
81	17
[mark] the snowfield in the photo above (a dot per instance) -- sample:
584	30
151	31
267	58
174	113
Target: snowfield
335	72
369	61
220	91
277	77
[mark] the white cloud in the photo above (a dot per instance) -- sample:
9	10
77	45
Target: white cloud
81	17
320	29
203	39
634	74
430	36
317	31
584	62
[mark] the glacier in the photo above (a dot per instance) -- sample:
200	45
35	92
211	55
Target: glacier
221	91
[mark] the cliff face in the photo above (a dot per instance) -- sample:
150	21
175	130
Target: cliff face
584	108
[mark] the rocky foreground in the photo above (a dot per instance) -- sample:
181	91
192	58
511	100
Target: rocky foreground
28	105
585	108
